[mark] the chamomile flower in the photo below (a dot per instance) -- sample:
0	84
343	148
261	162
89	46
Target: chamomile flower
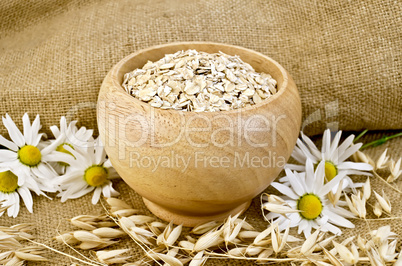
71	136
333	155
11	191
89	170
29	159
307	197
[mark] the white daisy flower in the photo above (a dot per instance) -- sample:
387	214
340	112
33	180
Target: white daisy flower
332	155
307	197
11	191
89	170
26	156
71	136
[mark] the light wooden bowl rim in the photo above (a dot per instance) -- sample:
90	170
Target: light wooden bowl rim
116	69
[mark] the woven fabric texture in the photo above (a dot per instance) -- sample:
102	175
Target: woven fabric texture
345	57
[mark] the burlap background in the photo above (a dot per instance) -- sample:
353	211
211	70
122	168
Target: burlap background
345	57
54	54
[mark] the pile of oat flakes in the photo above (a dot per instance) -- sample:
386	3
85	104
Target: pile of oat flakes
200	82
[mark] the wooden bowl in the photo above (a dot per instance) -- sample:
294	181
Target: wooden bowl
195	167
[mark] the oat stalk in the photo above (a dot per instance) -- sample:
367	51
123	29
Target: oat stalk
380	141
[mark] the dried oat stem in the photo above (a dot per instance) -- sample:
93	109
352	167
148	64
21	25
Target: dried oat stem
75	250
224	256
385	182
380	219
65	254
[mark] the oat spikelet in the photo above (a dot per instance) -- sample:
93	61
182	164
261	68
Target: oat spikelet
280	209
395	169
29	256
383	201
108	232
112	256
345	253
170	260
364	158
334	260
198	259
203	228
334	198
367	189
310	242
208	240
382	160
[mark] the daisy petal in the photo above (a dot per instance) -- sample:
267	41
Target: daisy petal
75	191
27	129
339	220
53	145
26	197
36	139
15	208
295	183
36	126
55	131
311	145
272	215
63	124
349	152
8	144
7	155
328	186
335	143
326	144
96	195
58	157
342	212
82	192
356	172
319	176
106	190
298	155
296	167
47	171
355	166
100	155
342	148
295	219
303	225
331	228
107	164
305	150
309	174
13	131
285	190
113	192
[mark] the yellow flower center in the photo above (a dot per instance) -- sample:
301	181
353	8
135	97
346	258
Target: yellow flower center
330	171
310	206
30	155
61	148
8	182
96	175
